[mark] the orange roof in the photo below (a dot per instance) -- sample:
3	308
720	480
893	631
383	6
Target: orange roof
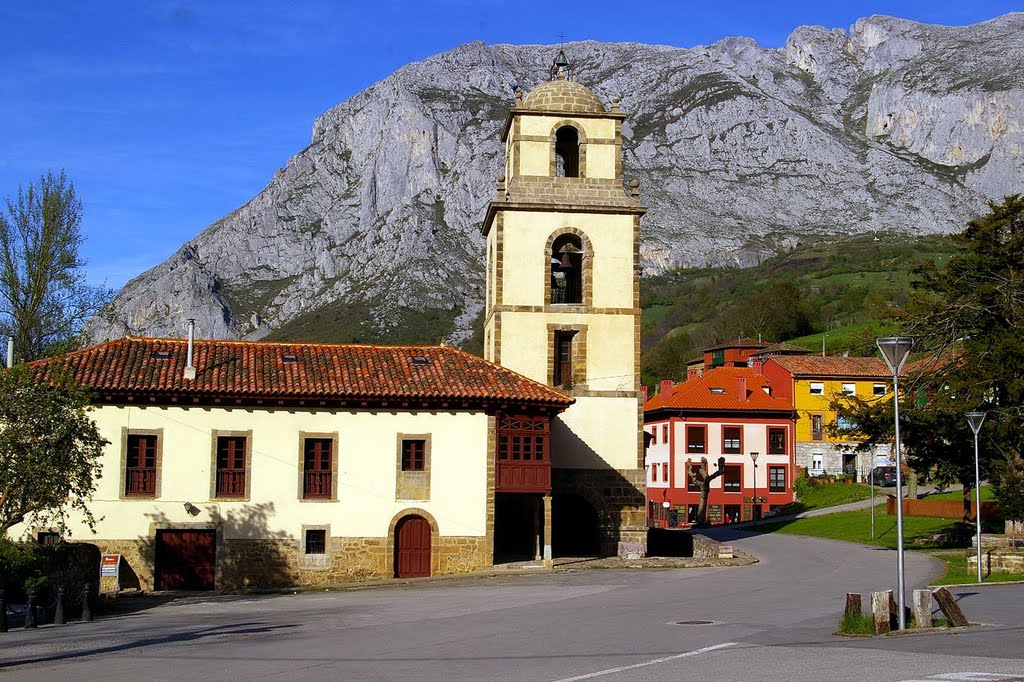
832	366
719	390
251	370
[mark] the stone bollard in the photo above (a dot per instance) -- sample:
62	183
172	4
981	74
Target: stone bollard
3	611
30	609
58	608
881	608
923	608
86	611
949	607
853	604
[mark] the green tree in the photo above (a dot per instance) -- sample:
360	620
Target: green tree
49	449
44	300
966	319
1009	489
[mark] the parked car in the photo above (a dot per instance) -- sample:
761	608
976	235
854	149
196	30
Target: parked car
884	476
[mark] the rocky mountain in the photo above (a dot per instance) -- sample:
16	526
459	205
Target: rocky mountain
371	232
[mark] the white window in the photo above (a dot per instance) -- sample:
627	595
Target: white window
878	389
849	389
817	388
817	462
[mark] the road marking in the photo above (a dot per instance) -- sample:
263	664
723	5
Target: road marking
655	661
972	677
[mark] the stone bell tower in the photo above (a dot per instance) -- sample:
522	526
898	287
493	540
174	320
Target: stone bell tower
563	302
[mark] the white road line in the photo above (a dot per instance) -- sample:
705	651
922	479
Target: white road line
655	661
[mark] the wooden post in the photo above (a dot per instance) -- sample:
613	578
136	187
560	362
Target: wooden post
923	608
853	604
881	608
950	608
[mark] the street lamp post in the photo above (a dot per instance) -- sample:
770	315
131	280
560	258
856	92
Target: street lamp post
895	350
753	512
974	420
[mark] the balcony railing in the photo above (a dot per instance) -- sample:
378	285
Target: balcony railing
316	485
231	483
140	481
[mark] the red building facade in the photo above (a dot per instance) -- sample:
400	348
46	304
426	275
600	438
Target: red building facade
729	413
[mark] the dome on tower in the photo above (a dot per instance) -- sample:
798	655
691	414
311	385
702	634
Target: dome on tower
564	95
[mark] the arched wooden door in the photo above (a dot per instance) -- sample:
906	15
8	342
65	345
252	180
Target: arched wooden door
412	548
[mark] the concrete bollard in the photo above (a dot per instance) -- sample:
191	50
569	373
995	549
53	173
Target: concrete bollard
30	610
86	611
58	608
881	609
923	608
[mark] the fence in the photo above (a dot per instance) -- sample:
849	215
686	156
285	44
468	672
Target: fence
943	509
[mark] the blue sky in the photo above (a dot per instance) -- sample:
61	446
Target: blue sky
168	115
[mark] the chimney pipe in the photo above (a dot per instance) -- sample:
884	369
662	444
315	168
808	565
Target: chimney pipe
741	388
190	369
10	352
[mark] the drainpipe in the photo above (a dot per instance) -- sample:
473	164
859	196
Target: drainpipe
190	369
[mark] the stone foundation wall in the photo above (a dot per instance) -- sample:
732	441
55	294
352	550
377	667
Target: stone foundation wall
618	495
997	560
704	547
832	458
279	562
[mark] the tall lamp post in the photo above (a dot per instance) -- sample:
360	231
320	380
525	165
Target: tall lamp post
974	420
753	512
895	350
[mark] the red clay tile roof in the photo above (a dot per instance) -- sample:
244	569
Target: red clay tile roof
697	394
832	366
252	370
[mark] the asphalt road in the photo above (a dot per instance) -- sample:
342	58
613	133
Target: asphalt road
770	621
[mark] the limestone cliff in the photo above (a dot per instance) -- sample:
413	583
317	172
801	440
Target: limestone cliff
371	232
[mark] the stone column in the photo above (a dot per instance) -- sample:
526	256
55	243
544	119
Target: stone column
548	563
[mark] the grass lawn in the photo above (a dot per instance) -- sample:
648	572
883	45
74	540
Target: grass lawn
855	526
829	495
957	572
987	495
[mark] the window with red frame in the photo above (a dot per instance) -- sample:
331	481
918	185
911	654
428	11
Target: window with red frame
696	439
776	441
777	479
732	440
732	480
664	433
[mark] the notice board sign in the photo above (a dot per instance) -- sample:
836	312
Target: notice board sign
715	513
110	564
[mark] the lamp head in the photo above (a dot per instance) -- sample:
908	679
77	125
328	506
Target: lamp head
895	350
974	420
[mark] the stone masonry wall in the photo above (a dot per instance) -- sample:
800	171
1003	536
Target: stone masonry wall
618	498
279	563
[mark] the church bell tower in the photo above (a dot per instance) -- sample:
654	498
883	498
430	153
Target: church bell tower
563	299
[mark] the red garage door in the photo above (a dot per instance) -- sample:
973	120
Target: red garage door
186	559
412	548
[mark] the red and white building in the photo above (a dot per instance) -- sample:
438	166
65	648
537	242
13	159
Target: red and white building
728	412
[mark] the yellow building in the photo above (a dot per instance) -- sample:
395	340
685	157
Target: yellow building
812	383
563	306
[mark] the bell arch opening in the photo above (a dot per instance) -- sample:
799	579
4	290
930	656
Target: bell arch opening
567	269
567	152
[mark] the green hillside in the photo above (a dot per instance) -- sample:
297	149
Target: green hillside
840	290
